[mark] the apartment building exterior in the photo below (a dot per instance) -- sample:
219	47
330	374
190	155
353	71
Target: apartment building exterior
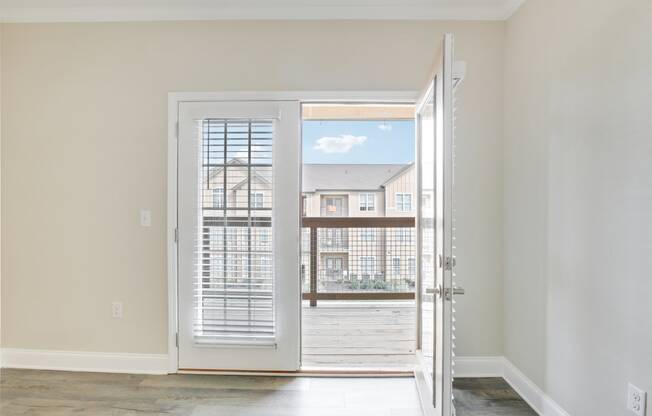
378	258
354	258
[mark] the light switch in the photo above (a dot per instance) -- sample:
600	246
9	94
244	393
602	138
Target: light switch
145	218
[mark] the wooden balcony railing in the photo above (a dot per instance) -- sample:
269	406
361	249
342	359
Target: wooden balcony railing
358	258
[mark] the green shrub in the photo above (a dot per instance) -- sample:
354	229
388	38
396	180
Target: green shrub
379	284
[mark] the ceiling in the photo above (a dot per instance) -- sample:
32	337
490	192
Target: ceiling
132	10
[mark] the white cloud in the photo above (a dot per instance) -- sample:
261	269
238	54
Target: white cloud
340	144
385	127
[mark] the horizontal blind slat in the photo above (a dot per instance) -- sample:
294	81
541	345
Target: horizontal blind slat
234	282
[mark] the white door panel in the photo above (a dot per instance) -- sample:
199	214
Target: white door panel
238	176
434	120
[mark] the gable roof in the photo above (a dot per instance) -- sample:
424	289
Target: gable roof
348	177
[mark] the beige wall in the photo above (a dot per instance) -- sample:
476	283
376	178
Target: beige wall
578	198
84	148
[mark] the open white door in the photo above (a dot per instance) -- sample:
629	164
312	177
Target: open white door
238	284
434	118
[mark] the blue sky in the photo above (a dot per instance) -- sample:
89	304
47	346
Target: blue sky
358	141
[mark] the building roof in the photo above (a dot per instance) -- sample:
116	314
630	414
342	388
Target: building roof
350	177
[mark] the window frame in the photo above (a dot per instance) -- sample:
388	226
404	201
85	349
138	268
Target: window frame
367	201
254	203
402	206
363	261
396	268
368	234
219	196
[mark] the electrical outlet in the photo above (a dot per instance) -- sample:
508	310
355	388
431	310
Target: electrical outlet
145	218
636	400
116	310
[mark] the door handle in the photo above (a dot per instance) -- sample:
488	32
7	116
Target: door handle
434	291
454	291
438	291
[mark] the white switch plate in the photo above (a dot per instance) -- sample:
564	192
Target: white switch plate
145	218
116	310
636	400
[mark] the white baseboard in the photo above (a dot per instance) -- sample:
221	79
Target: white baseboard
530	392
473	367
85	361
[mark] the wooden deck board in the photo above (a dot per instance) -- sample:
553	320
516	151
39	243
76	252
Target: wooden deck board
359	335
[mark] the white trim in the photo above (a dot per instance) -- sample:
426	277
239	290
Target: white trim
100	362
262	10
475	367
174	99
172	260
303	96
530	392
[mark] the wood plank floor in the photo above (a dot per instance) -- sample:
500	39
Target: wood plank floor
58	393
488	397
52	393
358	334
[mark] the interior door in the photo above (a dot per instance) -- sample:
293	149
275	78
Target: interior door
238	183
434	118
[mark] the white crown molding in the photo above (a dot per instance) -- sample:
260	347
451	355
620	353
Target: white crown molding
99	362
263	11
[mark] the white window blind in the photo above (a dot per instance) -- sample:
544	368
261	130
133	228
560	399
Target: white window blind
234	286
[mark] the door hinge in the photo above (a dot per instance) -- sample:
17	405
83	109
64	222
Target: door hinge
176	340
447	263
176	235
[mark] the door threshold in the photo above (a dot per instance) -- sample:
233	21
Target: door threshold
355	372
306	372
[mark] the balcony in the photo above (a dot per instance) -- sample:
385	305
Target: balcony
372	258
358	279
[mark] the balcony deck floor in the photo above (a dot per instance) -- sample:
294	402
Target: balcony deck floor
359	335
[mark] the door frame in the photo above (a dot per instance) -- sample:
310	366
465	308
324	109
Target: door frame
174	100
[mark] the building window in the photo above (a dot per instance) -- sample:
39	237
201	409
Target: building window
256	200
264	266
367	234
367	266
333	206
262	236
304	206
217	265
396	266
218	198
334	268
412	266
334	237
404	235
367	202
403	202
